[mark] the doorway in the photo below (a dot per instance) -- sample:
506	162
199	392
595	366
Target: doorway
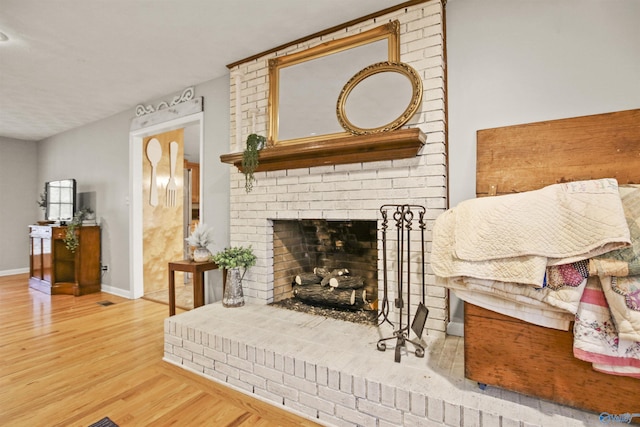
192	150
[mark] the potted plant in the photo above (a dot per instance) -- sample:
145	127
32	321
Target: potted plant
200	239
43	204
71	239
233	259
255	143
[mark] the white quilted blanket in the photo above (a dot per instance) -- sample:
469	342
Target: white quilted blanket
543	307
514	237
529	270
565	222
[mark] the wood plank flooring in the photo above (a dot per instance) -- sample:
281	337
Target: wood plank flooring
184	296
71	361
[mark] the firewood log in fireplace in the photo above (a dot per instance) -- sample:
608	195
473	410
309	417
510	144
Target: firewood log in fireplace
327	274
347	282
368	304
321	271
307	279
316	294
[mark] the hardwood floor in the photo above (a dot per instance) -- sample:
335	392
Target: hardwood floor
71	361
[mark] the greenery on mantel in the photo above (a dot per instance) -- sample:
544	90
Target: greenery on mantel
394	145
250	159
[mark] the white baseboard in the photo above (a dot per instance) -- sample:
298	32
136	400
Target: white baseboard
15	271
116	291
104	288
455	328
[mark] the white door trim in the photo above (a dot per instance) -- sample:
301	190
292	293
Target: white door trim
136	275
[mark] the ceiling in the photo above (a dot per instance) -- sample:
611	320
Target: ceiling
68	63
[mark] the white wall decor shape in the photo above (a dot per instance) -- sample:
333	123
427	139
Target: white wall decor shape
186	95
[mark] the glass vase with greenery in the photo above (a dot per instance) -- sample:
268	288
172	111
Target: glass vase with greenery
233	259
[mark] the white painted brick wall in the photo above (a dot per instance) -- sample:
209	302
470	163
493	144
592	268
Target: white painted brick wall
452	414
355	417
346	400
435	409
353	191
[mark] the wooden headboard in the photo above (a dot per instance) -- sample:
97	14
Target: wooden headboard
523	158
526	157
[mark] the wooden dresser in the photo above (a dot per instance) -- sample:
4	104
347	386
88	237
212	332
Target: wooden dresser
56	270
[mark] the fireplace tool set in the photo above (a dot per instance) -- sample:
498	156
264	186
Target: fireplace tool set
404	217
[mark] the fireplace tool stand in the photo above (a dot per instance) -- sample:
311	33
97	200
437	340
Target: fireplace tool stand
404	223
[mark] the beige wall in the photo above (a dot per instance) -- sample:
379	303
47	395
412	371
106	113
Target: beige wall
19	192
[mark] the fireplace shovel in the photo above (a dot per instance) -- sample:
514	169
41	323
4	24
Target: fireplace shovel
419	320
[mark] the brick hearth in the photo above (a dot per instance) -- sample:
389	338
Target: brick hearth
329	371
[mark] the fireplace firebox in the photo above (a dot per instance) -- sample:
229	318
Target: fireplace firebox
330	264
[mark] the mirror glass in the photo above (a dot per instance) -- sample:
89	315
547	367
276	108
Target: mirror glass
304	86
61	200
379	99
309	90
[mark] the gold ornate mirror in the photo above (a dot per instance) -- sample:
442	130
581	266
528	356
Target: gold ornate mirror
379	98
304	86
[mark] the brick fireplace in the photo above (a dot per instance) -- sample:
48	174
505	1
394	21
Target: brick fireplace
351	191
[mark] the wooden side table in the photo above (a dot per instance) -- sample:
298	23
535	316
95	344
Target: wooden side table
197	269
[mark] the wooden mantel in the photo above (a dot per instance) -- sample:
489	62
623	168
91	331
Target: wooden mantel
397	144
